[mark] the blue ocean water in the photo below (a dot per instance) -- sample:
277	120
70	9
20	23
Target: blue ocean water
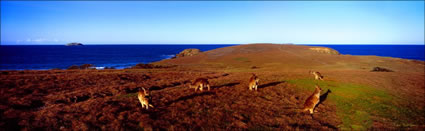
21	57
121	56
415	52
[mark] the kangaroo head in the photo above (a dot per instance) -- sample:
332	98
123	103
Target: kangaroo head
146	91
254	76
192	85
318	88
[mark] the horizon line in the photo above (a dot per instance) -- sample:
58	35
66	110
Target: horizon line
223	44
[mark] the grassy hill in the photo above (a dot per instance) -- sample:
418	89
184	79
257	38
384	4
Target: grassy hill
353	97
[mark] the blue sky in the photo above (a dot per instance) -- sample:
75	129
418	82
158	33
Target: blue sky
212	22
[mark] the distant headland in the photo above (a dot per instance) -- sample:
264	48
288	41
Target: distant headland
74	44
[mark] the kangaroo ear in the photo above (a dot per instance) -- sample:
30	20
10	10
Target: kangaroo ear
144	90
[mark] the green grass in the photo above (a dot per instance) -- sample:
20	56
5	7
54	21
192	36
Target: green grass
356	104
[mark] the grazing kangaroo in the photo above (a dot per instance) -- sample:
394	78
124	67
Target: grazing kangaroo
253	82
313	100
317	75
144	98
200	83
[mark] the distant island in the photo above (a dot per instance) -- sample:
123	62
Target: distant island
74	44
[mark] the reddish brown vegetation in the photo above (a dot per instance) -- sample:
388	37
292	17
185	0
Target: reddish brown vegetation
91	99
107	99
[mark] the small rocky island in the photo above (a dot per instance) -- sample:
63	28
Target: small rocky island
74	44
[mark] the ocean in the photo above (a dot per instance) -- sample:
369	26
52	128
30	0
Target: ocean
42	57
414	52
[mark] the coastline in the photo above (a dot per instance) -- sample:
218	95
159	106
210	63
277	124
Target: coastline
49	96
165	56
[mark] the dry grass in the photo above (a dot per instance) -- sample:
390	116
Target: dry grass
106	99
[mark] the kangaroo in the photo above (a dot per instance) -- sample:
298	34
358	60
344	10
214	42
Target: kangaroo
200	83
317	75
313	100
253	82
144	98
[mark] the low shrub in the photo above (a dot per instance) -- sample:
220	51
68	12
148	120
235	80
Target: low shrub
380	69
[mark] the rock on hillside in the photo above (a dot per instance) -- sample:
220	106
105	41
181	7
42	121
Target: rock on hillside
188	52
325	50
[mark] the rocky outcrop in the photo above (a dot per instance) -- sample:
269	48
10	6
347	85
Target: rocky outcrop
84	66
325	50
188	52
381	69
150	66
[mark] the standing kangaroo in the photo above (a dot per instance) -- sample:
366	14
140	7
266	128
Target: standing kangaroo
144	98
313	100
200	83
317	75
253	82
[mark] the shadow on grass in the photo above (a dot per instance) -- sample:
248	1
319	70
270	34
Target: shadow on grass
323	97
270	84
174	84
228	84
190	97
301	126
